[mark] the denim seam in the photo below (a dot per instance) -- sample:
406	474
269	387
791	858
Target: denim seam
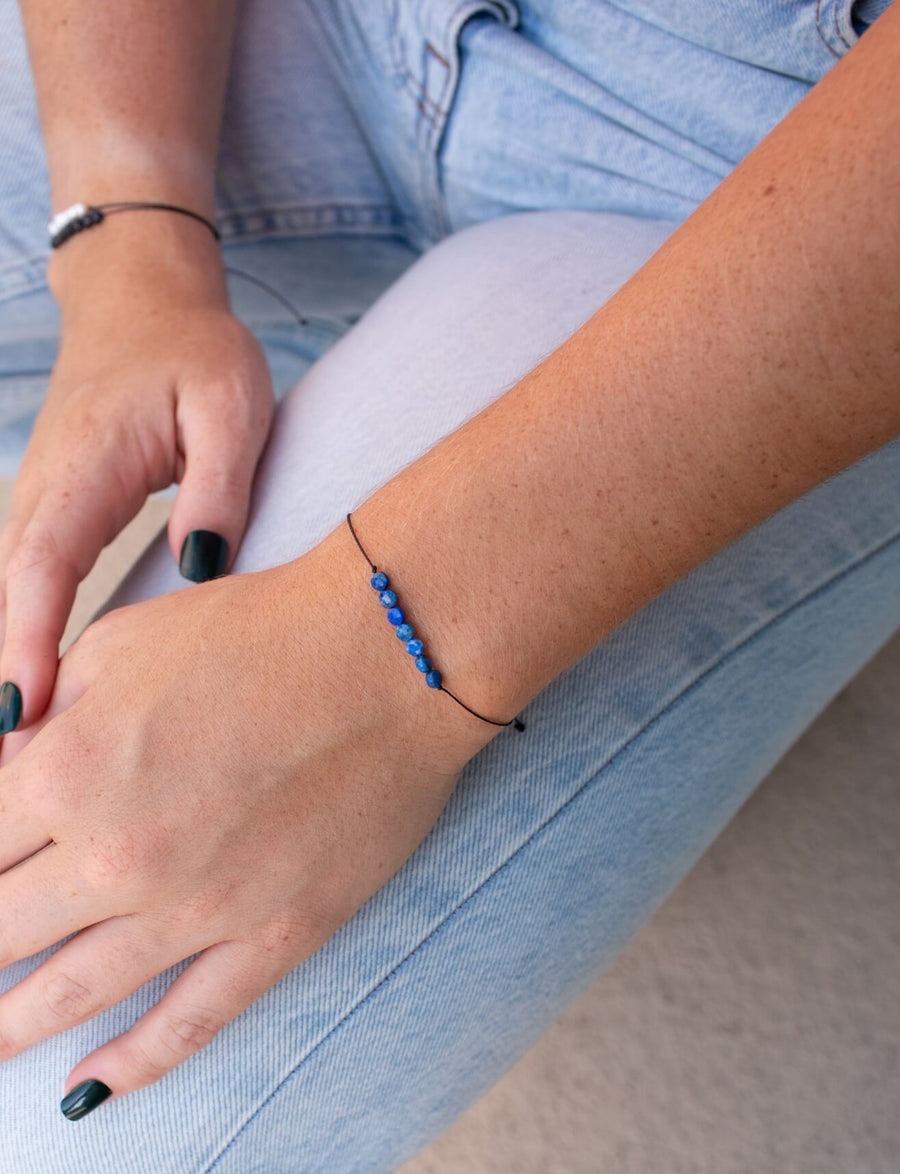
326	217
825	41
28	274
404	74
624	8
542	827
420	95
440	111
837	26
446	99
449	25
24	276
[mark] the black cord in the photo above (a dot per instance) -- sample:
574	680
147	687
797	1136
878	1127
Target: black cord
81	216
515	722
270	290
145	205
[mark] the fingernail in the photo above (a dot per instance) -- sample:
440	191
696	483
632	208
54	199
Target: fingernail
204	555
84	1098
10	707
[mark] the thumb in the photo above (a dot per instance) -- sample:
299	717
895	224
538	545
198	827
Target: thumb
210	511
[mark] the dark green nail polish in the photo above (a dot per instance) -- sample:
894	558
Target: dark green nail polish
10	707
204	555
83	1098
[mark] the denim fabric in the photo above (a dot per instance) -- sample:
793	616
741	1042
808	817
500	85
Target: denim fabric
354	121
351	145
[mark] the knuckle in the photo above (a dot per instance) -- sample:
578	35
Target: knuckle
67	999
237	398
33	551
144	1066
9	1045
292	933
227	392
181	1035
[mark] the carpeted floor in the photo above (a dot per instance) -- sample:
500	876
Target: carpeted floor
753	1026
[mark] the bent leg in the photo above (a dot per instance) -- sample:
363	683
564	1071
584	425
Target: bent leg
556	845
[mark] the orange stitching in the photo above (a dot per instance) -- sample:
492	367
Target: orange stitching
822	38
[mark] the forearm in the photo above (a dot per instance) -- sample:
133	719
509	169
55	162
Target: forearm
754	356
130	96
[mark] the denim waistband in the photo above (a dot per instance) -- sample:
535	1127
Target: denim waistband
344	116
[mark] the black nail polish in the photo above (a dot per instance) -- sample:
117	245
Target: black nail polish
83	1098
204	555
10	707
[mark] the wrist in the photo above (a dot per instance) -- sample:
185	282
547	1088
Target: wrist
135	252
382	685
474	696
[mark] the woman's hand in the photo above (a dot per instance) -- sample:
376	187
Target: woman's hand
156	382
233	768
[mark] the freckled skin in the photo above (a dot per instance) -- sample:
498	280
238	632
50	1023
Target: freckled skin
737	369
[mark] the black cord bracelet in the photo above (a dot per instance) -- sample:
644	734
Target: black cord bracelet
414	646
80	216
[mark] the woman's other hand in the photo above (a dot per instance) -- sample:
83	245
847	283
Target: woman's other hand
239	794
156	382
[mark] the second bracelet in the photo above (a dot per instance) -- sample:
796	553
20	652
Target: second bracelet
396	617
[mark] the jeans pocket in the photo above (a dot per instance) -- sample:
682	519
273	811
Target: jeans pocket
425	48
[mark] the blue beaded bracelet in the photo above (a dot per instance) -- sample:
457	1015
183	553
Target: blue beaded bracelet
414	646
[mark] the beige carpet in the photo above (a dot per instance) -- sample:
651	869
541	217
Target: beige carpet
753	1027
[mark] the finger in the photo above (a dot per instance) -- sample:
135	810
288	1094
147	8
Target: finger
21	835
210	992
56	549
92	971
26	492
73	676
210	510
48	896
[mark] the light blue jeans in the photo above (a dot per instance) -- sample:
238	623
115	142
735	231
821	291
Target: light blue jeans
448	190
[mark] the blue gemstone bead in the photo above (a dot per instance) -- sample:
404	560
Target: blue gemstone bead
379	580
387	598
423	664
405	632
433	678
395	616
415	648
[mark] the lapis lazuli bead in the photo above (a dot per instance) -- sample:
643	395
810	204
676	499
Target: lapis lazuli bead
379	580
395	616
405	632
415	648
433	678
423	664
387	598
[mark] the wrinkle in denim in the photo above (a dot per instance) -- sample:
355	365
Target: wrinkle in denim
347	154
